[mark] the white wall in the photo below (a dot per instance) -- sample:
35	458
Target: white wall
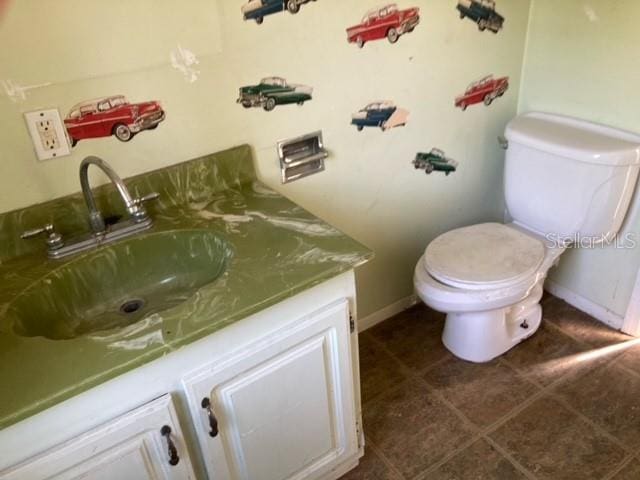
581	61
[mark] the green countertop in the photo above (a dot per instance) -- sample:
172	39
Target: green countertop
277	250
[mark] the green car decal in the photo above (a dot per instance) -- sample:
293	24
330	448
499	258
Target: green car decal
435	161
273	91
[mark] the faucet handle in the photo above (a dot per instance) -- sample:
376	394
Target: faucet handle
54	239
48	229
138	211
146	198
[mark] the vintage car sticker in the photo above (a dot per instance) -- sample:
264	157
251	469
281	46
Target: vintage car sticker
113	115
386	22
383	114
483	13
435	161
485	90
258	9
273	91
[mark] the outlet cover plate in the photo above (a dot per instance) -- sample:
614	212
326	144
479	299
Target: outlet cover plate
48	134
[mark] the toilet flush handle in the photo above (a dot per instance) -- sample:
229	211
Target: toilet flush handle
503	142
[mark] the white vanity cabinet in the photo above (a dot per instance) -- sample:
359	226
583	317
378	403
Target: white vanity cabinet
274	396
146	443
283	408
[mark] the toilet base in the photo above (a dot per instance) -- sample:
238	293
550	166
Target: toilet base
482	336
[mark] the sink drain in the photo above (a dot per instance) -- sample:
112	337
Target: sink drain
131	306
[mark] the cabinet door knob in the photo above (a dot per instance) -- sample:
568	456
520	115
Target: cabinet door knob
213	421
174	459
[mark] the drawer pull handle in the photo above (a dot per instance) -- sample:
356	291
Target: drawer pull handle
213	421
174	459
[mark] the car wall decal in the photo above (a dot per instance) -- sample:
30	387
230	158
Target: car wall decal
435	161
383	114
114	115
274	91
485	90
483	13
258	9
386	22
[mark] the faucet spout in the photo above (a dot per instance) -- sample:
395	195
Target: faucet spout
100	235
96	220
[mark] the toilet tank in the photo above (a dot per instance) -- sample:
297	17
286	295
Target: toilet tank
569	178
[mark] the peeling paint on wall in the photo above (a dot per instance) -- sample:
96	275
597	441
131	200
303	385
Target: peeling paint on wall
18	93
591	14
184	61
140	37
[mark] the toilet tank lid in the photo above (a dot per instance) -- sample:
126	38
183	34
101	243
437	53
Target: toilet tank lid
576	139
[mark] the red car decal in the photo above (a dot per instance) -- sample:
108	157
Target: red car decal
387	22
484	90
113	115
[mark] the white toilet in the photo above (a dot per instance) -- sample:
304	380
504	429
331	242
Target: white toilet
566	180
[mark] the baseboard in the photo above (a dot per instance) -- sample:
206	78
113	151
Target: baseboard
632	318
387	312
596	311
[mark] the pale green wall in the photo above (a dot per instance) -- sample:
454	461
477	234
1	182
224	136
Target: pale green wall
369	190
581	60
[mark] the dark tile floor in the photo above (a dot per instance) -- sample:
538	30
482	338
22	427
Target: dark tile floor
564	404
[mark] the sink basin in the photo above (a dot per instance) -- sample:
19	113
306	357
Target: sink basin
119	285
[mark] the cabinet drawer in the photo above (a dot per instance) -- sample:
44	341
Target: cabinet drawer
146	443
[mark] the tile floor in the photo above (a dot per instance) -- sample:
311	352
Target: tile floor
564	404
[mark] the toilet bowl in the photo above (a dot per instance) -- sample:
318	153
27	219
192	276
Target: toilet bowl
486	318
564	179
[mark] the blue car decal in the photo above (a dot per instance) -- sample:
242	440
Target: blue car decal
269	7
258	9
385	115
375	118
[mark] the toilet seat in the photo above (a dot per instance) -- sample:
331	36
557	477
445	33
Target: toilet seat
488	256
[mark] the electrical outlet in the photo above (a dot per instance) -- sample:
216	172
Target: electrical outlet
48	134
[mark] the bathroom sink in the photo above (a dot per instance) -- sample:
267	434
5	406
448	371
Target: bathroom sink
119	285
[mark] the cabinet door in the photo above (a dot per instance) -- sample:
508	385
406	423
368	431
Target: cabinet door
146	443
284	407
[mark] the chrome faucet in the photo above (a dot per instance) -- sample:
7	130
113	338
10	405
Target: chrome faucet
134	206
100	233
